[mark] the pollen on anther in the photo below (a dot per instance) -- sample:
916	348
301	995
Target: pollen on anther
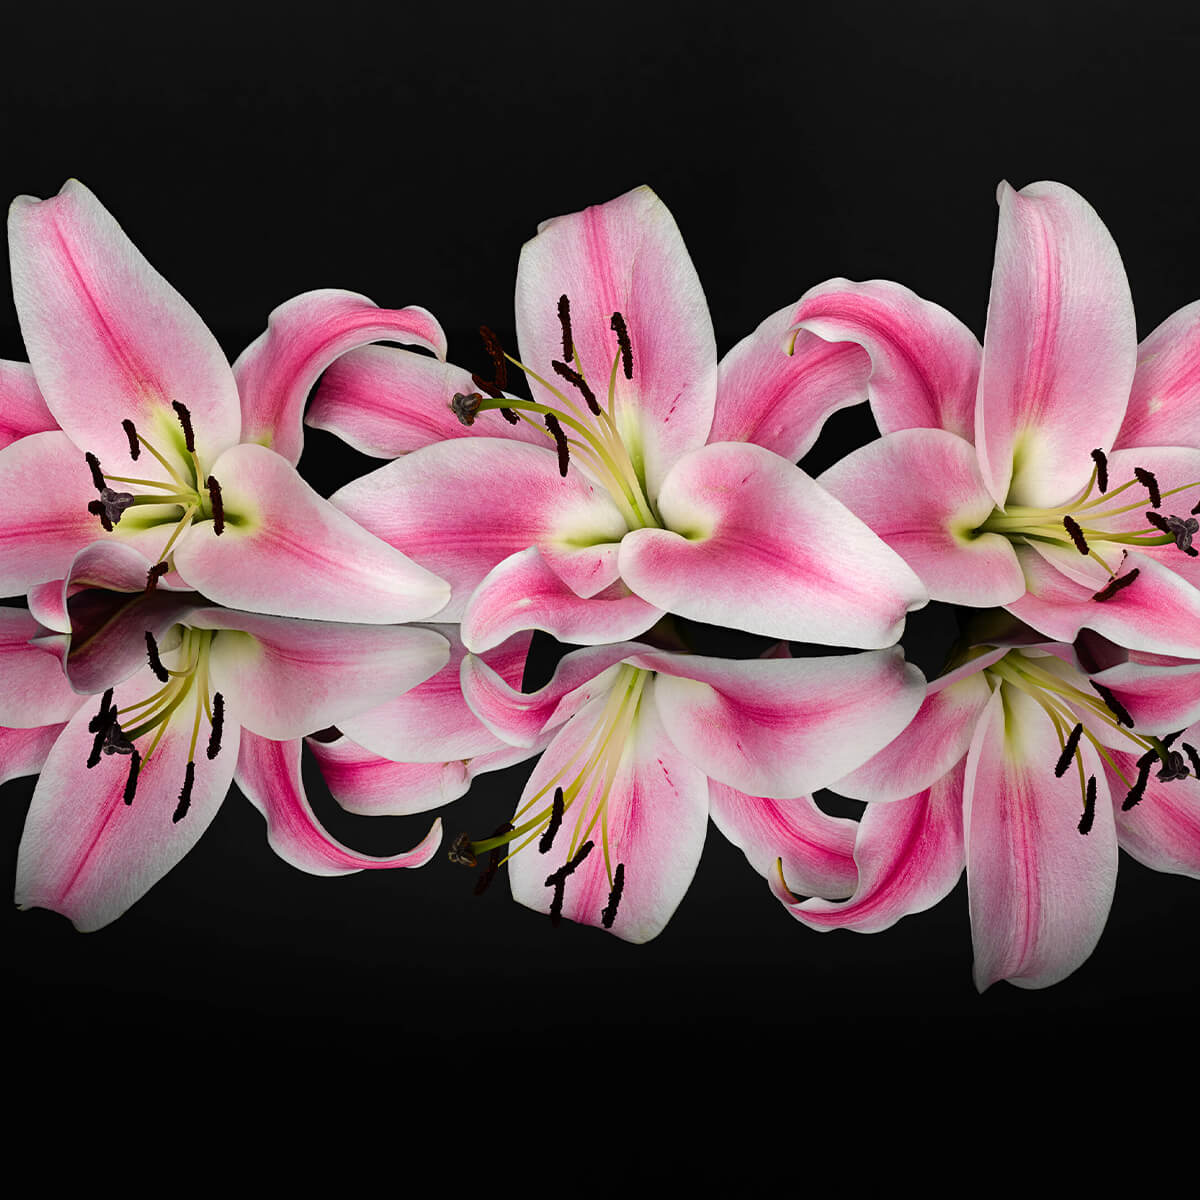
510	416
218	723
1064	759
99	726
1148	481
185	419
155	662
1101	470
564	319
495	351
486	385
1193	758
1115	585
185	796
578	381
556	816
1072	527
1089	807
484	881
560	442
618	327
1134	795
609	915
135	765
154	574
218	507
97	475
135	447
1116	707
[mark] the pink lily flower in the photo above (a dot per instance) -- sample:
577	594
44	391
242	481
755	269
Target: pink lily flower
1054	471
195	697
123	369
642	477
646	744
1028	773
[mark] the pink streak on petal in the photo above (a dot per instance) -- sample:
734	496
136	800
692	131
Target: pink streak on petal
1164	404
268	774
1060	348
909	856
287	551
753	543
1160	699
625	256
22	409
783	727
778	394
303	336
1039	890
88	855
108	337
920	490
657	816
35	691
24	751
924	360
817	850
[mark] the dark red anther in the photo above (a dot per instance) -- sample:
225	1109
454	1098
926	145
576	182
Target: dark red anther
1089	807
1118	709
185	796
135	765
510	416
1064	759
609	915
154	574
97	475
560	442
618	327
218	723
1147	480
574	378
559	878
218	507
564	319
1072	527
495	351
1101	470
556	816
1193	758
485	880
486	385
135	447
155	662
1134	795
99	726
1115	585
185	419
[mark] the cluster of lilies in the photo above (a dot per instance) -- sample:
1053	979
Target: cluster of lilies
194	612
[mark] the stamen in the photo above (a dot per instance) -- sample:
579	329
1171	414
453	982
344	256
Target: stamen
218	723
185	419
484	881
155	662
1173	768
1147	480
131	433
1069	748
486	385
218	508
135	765
185	796
558	880
560	441
154	574
1193	758
460	851
609	915
1089	807
564	319
573	377
510	416
1135	793
618	327
1115	585
556	816
495	351
1072	527
1118	709
465	407
94	466
1101	470
99	726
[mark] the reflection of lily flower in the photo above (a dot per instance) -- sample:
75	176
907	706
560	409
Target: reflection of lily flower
123	369
196	697
1031	776
645	744
1042	472
678	491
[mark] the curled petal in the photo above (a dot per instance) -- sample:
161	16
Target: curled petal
22	409
268	773
924	360
1164	403
753	543
35	692
303	336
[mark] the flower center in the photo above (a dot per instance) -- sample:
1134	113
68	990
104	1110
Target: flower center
1056	689
1086	521
577	422
579	792
120	730
183	495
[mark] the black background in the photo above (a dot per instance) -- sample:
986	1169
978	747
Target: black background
407	153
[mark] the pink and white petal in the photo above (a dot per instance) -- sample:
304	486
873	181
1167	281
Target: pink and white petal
1162	831
1060	348
287	551
753	543
519	717
1160	699
460	507
523	593
586	570
48	605
1158	612
778	386
783	727
268	774
655	815
921	491
928	747
283	678
432	722
24	751
909	857
1164	403
35	690
1039	890
924	360
87	854
387	402
108	337
816	850
303	336
22	409
625	256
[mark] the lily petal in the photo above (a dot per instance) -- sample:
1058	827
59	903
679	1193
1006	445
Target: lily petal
1162	831
1160	699
625	256
1060	348
921	491
1039	890
287	551
303	336
777	387
1164	404
268	773
35	691
753	543
24	751
22	409
108	337
783	727
924	360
